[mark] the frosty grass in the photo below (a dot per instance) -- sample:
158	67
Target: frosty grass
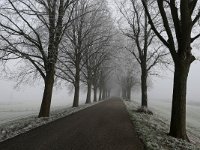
19	126
153	129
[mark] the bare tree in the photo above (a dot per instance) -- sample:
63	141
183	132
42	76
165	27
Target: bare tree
179	19
127	79
99	52
32	31
141	38
93	65
86	32
126	68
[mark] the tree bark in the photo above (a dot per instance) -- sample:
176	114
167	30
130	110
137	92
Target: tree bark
100	94
77	87
129	93
144	88
178	115
47	95
95	93
104	94
124	93
106	91
89	90
76	95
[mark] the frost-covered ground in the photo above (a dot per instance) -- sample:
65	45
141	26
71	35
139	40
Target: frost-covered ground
15	109
153	129
163	108
24	124
10	112
25	100
193	111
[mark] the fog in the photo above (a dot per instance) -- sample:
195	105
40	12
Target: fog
32	95
161	89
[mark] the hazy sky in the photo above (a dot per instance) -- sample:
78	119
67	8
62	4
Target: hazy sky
161	90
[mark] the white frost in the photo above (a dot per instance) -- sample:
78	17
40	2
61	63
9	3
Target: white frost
18	126
153	129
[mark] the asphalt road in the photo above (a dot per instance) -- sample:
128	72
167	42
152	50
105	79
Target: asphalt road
105	126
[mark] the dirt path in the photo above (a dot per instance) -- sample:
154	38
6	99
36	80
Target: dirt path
105	126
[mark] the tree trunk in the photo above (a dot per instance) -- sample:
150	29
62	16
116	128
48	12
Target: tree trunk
76	95
77	87
144	88
95	93
89	90
47	95
129	93
123	93
178	115
104	94
109	91
100	93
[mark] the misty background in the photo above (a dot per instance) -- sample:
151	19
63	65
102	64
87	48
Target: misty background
161	89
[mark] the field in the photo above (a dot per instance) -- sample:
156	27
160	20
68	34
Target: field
13	111
10	112
163	108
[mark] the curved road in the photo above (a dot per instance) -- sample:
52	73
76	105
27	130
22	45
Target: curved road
105	126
